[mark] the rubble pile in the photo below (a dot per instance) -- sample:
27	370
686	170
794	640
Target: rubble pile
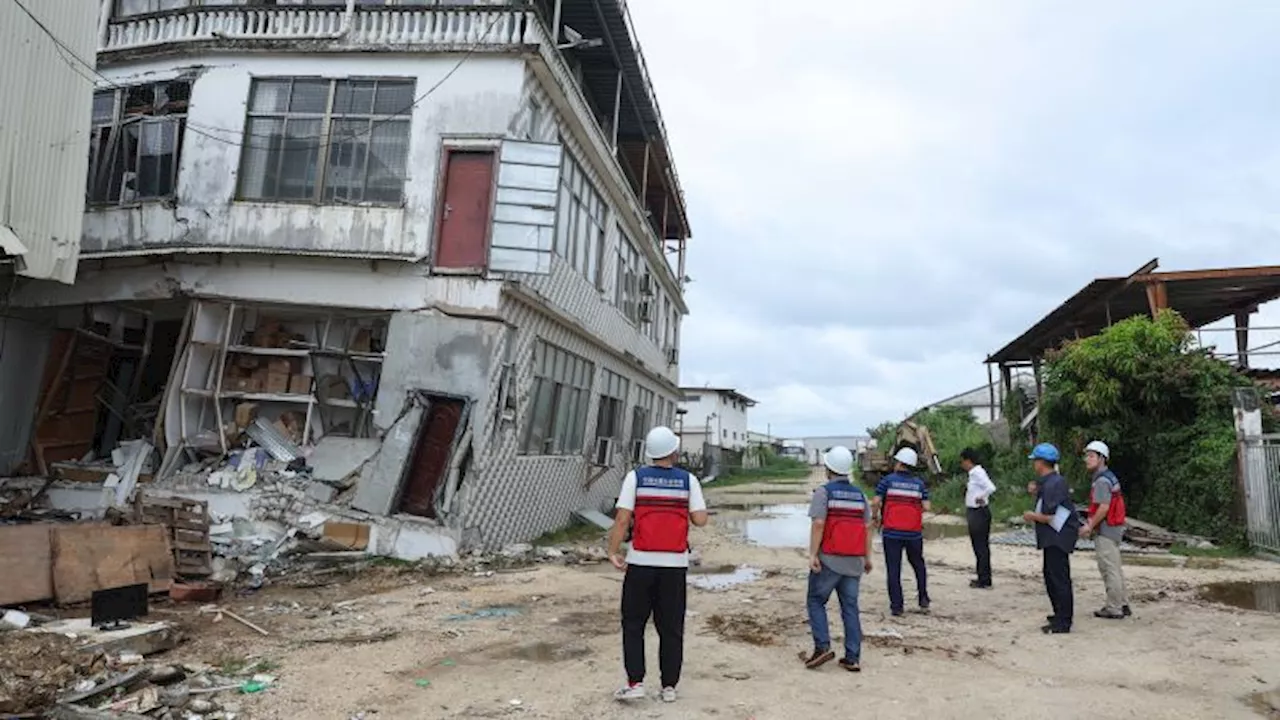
34	668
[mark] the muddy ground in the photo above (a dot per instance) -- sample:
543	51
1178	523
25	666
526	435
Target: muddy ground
544	643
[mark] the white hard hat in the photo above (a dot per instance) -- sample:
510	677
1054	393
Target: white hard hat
1099	447
838	460
907	457
660	442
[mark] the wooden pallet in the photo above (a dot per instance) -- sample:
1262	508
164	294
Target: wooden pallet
188	524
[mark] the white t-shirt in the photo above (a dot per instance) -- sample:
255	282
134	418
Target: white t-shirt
627	501
980	486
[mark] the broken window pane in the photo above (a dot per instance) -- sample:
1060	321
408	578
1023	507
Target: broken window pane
136	142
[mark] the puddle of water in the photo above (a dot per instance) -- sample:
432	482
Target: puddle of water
787	526
485	613
724	578
1264	596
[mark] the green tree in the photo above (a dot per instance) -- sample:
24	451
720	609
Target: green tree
1164	408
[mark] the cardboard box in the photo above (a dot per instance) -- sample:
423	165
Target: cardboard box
362	341
267	333
276	382
353	536
243	383
246	413
299	384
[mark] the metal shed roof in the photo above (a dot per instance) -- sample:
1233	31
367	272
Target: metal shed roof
1202	297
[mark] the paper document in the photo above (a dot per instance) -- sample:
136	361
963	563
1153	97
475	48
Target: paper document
1039	504
1060	518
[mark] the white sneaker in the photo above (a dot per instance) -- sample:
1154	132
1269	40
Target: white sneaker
668	694
627	693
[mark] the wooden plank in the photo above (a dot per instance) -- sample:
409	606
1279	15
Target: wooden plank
93	557
26	564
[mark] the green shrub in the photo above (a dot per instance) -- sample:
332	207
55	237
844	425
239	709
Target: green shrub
1164	408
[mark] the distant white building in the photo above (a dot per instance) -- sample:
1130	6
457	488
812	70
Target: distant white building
714	416
814	447
978	400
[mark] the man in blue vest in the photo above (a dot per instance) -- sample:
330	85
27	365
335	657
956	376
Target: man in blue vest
662	501
839	553
901	501
1056	530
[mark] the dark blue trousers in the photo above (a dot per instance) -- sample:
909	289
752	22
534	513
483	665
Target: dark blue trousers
893	549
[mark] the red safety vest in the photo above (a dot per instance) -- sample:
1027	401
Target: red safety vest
904	504
662	510
845	531
1115	511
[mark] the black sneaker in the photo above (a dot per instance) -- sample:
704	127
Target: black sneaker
1109	614
896	613
850	665
1127	612
1054	629
979	585
1051	618
819	658
924	609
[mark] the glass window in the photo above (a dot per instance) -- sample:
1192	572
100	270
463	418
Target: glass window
557	416
362	157
135	145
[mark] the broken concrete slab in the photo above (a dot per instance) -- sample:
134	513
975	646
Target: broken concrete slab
141	638
595	517
335	459
380	485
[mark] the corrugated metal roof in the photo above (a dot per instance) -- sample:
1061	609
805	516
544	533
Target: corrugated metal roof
1202	297
45	99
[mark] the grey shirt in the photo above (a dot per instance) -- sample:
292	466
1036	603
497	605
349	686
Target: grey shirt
840	564
1101	494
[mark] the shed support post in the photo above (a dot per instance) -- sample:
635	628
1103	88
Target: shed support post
1242	338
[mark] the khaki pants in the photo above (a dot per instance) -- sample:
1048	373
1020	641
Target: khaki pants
1108	554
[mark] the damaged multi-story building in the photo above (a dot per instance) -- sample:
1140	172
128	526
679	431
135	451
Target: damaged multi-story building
448	239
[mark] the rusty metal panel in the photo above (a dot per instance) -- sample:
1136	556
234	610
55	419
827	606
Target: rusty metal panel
45	98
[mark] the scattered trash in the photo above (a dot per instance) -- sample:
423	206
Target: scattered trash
250	687
422	683
448	663
14	619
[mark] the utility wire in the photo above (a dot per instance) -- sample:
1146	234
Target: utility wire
207	130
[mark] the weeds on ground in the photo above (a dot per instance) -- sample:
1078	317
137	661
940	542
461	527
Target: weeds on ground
574	532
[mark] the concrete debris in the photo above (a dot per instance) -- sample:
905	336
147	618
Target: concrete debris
139	639
14	620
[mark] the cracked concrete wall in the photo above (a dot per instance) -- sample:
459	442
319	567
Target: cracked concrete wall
435	353
479	99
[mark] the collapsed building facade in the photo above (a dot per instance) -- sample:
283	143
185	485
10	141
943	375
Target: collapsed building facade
444	243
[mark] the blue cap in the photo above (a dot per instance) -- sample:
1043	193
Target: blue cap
1046	452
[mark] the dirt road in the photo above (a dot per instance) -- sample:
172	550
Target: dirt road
544	643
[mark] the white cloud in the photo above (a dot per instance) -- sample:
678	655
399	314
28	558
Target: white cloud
884	192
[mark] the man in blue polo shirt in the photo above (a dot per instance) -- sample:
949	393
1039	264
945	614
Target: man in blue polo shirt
901	501
1056	530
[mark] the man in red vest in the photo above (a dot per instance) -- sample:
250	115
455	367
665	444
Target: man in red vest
1106	518
657	503
901	500
839	545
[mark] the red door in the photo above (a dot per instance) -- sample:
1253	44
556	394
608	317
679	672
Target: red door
463	229
431	457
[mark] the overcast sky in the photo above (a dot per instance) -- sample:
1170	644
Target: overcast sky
882	193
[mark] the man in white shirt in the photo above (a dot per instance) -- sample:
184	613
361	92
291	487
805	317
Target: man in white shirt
977	495
663	501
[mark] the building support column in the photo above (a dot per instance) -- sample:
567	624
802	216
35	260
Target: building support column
1242	338
1157	297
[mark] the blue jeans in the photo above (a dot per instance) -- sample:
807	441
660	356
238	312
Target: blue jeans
893	548
821	584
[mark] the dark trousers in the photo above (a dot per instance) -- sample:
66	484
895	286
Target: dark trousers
914	548
980	538
1057	582
660	592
